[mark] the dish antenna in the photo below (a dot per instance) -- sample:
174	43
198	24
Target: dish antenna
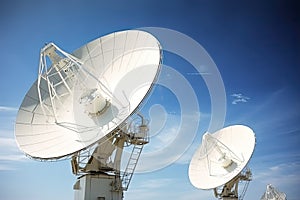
219	163
82	107
273	194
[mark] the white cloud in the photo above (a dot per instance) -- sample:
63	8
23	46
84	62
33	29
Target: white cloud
282	174
13	157
6	167
6	143
197	73
239	98
10	154
8	109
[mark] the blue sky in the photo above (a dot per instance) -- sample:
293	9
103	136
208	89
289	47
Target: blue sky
254	44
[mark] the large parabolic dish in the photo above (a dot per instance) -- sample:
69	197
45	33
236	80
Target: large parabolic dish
86	95
221	156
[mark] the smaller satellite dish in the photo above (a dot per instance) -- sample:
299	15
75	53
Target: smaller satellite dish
221	157
273	194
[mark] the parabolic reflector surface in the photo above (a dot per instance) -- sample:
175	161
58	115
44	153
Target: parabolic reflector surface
86	95
221	156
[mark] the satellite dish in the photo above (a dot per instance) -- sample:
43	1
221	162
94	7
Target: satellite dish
221	158
272	193
81	97
82	106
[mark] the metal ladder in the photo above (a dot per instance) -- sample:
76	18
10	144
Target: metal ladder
132	162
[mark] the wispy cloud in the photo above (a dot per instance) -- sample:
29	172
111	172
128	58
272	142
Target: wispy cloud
8	109
197	73
10	154
281	175
6	167
202	70
7	143
12	157
239	98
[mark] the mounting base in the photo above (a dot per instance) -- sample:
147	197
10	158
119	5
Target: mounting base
98	187
230	190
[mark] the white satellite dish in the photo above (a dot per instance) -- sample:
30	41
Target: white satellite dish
272	193
221	158
85	95
84	99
